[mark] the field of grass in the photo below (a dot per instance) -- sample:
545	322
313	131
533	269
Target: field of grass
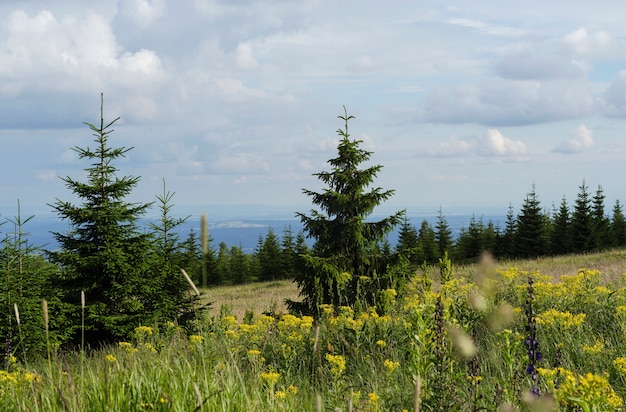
536	335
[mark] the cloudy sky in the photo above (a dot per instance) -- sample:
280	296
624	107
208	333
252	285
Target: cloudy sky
233	102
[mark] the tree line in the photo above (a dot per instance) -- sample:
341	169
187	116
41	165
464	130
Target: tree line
533	232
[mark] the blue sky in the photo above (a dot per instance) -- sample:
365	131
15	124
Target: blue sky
465	104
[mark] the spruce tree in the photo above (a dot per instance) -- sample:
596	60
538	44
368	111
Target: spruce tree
618	226
105	254
287	254
600	222
408	242
427	246
530	239
173	302
443	234
561	235
582	223
269	257
346	267
507	247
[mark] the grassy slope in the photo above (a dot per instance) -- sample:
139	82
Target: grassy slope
265	296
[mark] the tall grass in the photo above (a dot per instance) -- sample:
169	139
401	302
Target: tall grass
534	336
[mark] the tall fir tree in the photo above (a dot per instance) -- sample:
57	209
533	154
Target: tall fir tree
600	222
287	254
582	221
531	236
443	234
507	247
561	239
469	244
346	249
105	254
426	244
618	226
408	242
270	258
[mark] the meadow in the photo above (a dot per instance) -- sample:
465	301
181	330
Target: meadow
528	335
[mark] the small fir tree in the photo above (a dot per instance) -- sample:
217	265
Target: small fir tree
345	258
174	303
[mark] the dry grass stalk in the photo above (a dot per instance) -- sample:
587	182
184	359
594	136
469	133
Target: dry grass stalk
188	279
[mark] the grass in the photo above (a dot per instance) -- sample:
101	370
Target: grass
255	297
464	345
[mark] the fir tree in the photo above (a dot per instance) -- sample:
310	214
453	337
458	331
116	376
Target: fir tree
426	244
507	248
582	223
346	244
618	226
173	302
222	273
239	266
600	222
288	254
269	256
561	236
443	234
105	254
530	239
408	242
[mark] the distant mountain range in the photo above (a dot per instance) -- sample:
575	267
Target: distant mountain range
240	231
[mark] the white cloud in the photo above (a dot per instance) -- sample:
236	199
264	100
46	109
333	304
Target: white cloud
491	143
142	12
580	140
615	95
599	44
508	102
244	57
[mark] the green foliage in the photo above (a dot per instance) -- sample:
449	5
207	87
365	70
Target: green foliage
270	255
174	302
460	345
531	235
105	253
582	223
24	281
443	234
617	229
346	250
561	235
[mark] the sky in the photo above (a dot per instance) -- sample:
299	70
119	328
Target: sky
234	104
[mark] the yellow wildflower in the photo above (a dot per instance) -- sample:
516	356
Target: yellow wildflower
110	358
391	365
196	339
270	378
337	362
620	365
566	320
381	343
254	352
280	394
143	331
594	349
